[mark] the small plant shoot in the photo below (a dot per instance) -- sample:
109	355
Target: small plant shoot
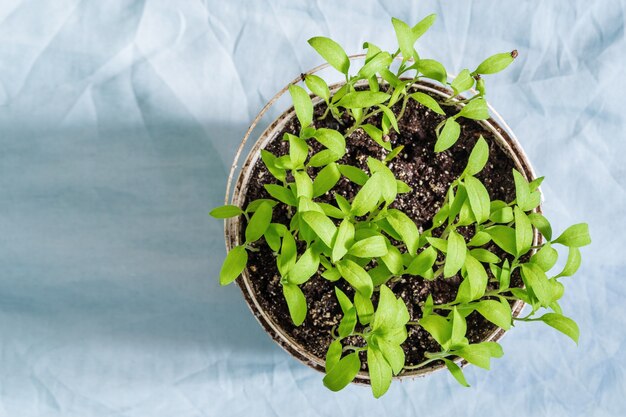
368	245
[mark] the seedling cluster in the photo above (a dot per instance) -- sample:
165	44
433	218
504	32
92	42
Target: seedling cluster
368	243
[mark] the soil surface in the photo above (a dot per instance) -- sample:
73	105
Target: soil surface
429	174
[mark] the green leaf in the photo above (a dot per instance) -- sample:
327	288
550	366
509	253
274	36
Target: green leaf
363	99
476	277
226	211
575	236
282	194
234	264
504	237
323	227
323	158
475	110
502	215
304	268
423	262
499	313
375	65
344	301
478	157
377	136
455	256
296	302
354	174
536	279
523	232
368	197
563	324
298	151
438	327
422	26
364	307
572	264
459	328
479	239
270	162
480	354
331	139
478	198
545	257
393	260
525	199
406	228
456	372
370	247
287	257
318	86
391	118
542	224
347	323
326	179
344	239
332	52
259	222
356	276
393	353
302	104
462	82
331	211
483	255
304	185
429	102
333	354
343	372
448	135
255	204
405	37
433	70
379	370
495	63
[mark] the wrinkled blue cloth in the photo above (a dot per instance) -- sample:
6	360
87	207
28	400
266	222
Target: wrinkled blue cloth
118	123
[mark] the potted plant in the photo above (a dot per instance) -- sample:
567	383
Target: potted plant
388	226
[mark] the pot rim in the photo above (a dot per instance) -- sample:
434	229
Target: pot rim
506	140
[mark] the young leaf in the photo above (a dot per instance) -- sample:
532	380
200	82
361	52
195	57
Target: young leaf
225	212
343	372
318	86
542	224
427	101
303	105
536	279
304	185
270	162
332	52
323	227
282	194
478	157
545	257
448	135
331	139
575	236
496	63
572	264
433	70
323	158
354	174
563	324
455	257
393	260
364	307
370	247
480	354
259	222
476	277
368	197
423	262
499	313
405	37
377	136
304	268
523	232
475	110
356	276
388	115
456	372
438	327
333	354
525	199
326	179
234	264
375	65
298	151
504	237
483	255
345	236
478	198
363	99
406	228
422	26
295	302
459	327
462	82
379	370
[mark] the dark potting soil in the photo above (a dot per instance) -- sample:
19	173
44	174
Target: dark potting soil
429	174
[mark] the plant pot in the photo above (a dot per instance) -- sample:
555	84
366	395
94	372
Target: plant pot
233	227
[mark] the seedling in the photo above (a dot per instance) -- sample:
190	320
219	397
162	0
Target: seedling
368	243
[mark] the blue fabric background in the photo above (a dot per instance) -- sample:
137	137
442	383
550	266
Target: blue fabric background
118	122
